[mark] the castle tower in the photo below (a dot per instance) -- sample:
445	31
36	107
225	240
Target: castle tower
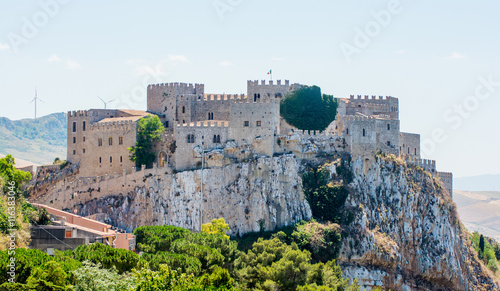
271	91
172	101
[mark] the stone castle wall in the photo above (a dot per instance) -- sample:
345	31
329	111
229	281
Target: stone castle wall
409	144
373	105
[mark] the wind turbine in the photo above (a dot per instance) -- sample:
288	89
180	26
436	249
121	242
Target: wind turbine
36	99
105	102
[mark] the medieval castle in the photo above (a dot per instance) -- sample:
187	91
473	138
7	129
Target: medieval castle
215	130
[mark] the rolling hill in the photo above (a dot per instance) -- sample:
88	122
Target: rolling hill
38	140
479	211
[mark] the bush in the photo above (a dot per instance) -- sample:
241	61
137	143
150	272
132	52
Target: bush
152	239
181	262
107	256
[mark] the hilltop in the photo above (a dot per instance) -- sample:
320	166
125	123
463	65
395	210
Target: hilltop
38	140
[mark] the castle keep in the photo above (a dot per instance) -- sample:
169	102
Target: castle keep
213	130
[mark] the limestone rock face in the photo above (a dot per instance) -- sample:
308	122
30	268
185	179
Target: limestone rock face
263	193
406	234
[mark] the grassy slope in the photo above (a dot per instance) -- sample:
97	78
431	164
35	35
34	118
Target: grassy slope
38	140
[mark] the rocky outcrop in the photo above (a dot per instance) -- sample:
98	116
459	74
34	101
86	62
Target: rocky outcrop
406	234
263	193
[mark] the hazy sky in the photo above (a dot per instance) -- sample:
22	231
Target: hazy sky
440	58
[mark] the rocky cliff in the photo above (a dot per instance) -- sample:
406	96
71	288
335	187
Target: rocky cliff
263	193
406	234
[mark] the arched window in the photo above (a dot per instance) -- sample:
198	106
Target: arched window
215	139
347	131
110	141
110	159
364	133
100	160
190	138
99	142
388	126
415	151
255	97
183	109
408	150
121	159
218	138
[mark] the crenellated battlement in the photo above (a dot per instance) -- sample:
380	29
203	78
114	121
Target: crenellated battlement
174	85
112	125
222	97
250	100
198	124
270	83
78	113
359	118
429	165
372	97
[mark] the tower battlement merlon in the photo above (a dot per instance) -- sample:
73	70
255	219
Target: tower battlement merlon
178	88
112	125
269	83
203	124
222	97
78	113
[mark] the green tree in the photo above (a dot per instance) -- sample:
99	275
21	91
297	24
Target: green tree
481	244
9	173
307	109
91	277
50	274
107	256
149	131
152	239
216	226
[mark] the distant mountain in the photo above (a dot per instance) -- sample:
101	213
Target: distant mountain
479	211
478	183
38	140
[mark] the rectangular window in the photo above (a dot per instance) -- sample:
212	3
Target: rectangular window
120	140
74	152
110	141
74	126
246	123
110	159
99	142
83	126
83	150
121	160
74	139
258	123
83	139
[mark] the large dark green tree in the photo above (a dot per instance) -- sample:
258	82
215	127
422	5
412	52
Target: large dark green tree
149	130
307	109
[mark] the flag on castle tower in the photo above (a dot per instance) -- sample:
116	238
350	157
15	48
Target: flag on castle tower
270	72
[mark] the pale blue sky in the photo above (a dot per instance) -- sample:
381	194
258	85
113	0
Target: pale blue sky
429	55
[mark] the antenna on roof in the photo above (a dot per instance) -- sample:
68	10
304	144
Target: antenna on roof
36	99
105	102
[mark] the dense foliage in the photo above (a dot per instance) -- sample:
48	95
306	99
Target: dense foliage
325	195
149	131
15	212
488	250
178	259
306	108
